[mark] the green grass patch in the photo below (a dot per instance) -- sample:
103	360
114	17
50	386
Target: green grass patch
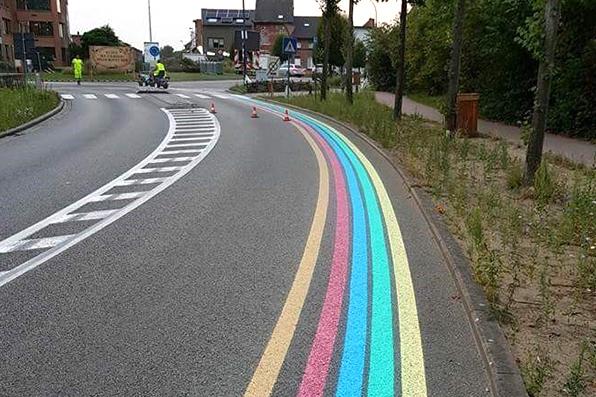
183	76
24	104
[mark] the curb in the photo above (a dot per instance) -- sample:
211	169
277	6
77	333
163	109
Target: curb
504	376
35	121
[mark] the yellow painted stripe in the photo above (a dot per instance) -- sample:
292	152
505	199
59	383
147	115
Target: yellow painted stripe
270	364
412	357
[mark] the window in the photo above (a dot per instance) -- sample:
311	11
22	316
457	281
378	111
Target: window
48	53
63	51
216	43
297	62
280	17
41	28
36	5
299	45
309	63
59	6
212	20
61	30
6	26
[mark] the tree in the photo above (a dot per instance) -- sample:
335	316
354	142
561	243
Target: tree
359	54
330	9
167	51
545	73
454	67
338	28
382	47
102	36
277	49
349	49
400	86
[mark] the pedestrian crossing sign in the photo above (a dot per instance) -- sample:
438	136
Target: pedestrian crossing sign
289	45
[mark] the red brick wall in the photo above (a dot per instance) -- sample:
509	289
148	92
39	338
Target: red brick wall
269	31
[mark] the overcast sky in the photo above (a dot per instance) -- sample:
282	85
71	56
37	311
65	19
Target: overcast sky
172	21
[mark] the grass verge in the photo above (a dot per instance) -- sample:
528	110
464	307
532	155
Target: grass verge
532	249
22	105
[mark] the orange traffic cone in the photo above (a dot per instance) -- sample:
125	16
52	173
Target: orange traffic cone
254	114
286	116
212	110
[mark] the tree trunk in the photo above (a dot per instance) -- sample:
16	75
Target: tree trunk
350	54
401	62
545	73
454	67
327	49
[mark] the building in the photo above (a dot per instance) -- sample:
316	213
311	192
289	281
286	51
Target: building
362	33
305	31
272	18
216	29
46	19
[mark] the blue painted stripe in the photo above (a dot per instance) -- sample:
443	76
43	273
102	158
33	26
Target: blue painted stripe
351	374
381	377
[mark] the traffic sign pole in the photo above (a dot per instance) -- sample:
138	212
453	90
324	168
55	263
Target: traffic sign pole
290	46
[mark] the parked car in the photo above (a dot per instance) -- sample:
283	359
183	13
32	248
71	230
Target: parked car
295	71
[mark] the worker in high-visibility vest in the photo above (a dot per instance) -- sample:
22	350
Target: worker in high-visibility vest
160	70
77	69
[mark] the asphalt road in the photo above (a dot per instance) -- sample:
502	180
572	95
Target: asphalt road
238	277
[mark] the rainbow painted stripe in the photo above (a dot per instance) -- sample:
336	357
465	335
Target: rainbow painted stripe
371	341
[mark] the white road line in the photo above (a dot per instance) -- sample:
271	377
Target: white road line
187	145
181	151
200	134
183	96
162	169
221	96
147	181
67	97
85	216
120	196
202	96
112	96
191	127
90	96
23	268
167	160
33	244
190	139
133	96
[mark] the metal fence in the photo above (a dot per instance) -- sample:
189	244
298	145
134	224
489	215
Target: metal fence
211	67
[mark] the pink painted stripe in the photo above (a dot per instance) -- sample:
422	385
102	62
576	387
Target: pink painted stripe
321	353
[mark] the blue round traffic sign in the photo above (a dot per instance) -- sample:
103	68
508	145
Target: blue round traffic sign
154	51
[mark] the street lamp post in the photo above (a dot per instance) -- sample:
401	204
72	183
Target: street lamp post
243	43
150	28
376	14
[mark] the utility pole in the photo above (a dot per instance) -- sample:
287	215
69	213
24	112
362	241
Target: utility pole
24	53
243	43
150	28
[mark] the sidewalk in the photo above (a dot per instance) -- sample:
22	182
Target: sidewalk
576	150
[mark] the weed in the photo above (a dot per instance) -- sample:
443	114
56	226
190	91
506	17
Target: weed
545	186
546	299
474	226
535	373
464	149
575	384
503	155
515	176
488	271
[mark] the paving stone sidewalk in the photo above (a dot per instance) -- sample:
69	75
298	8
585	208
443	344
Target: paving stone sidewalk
574	149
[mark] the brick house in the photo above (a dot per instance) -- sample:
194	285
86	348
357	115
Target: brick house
46	19
216	29
305	31
273	17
